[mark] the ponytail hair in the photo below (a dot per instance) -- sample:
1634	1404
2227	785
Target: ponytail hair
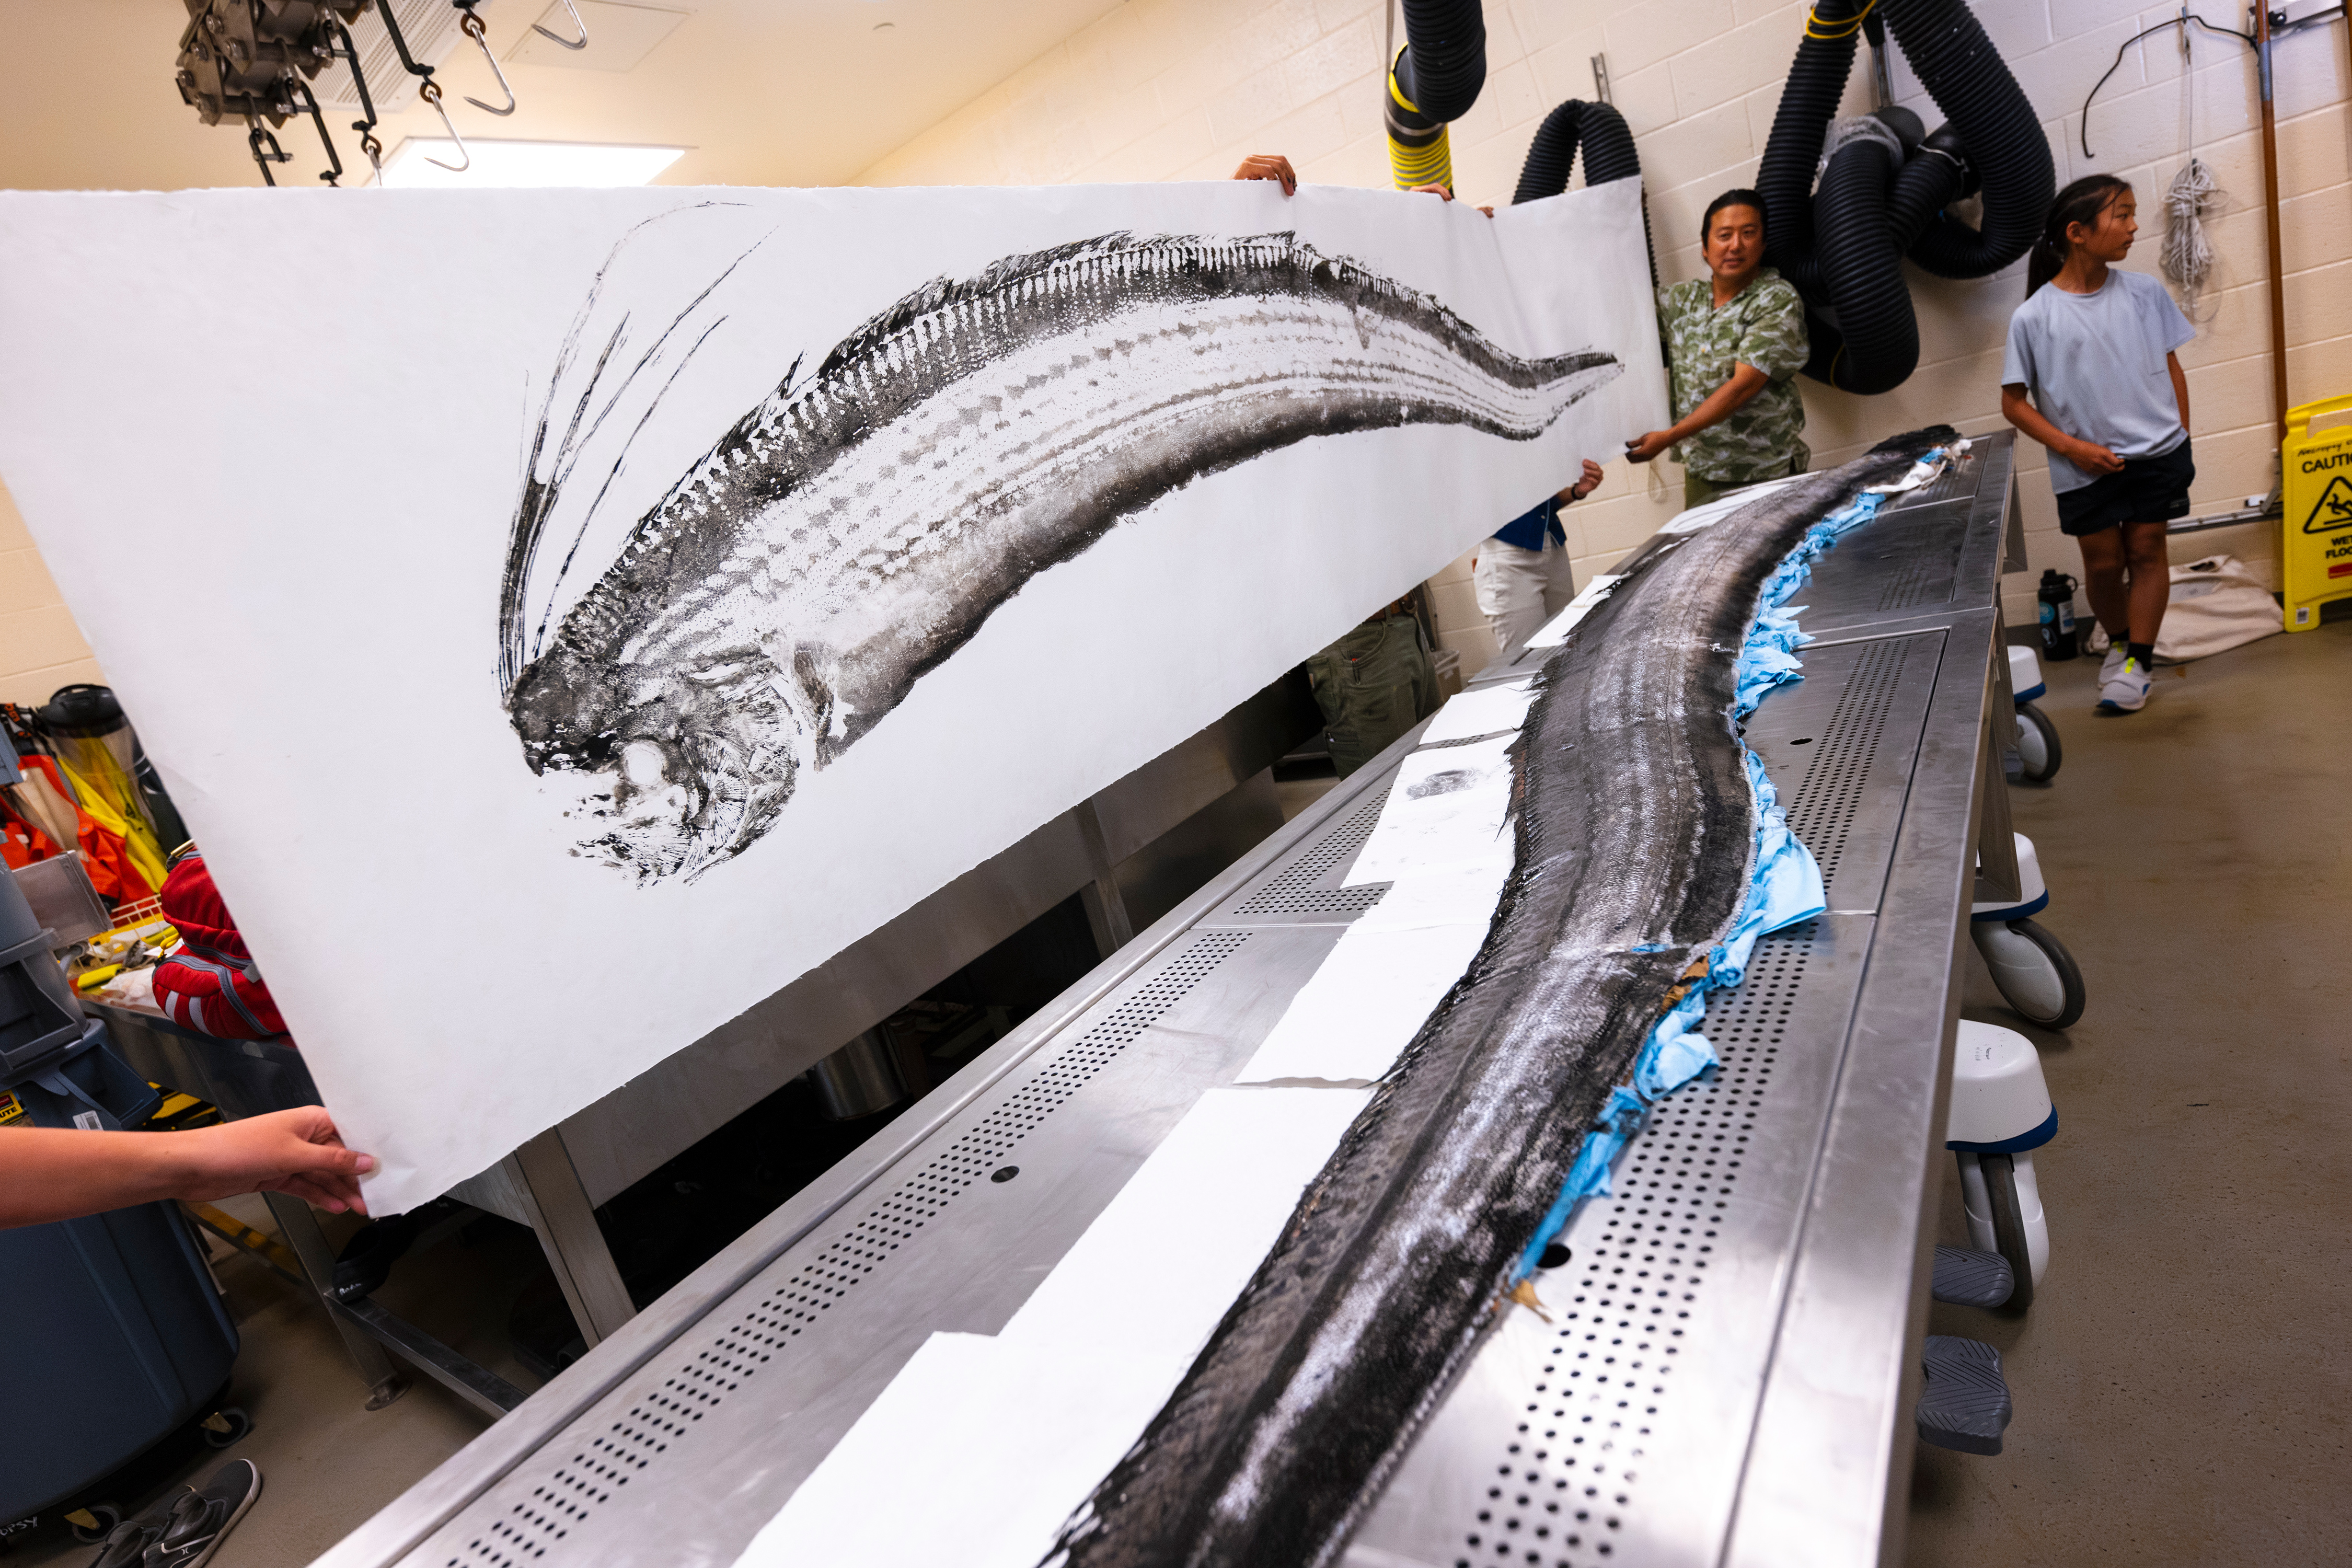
2082	203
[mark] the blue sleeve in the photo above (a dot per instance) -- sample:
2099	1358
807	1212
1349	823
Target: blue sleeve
2017	362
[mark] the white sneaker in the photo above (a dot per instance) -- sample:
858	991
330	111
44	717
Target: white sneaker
2114	663
2127	692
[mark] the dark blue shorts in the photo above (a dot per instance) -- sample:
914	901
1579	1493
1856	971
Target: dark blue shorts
2148	489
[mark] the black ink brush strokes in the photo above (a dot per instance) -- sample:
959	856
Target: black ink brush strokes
1635	833
857	528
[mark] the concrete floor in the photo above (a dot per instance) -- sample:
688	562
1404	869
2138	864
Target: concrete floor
2182	1383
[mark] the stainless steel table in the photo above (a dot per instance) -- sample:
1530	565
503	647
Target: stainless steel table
1729	1368
554	1182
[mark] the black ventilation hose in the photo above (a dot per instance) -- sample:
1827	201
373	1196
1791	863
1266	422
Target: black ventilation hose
1989	112
1871	205
1609	155
1444	59
1936	175
1841	246
1608	150
1875	346
1784	177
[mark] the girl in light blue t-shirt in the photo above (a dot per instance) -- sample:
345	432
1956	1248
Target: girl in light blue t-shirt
2093	347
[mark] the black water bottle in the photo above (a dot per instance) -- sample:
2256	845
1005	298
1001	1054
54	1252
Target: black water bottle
2057	596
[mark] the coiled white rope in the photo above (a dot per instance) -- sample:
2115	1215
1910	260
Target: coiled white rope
2188	255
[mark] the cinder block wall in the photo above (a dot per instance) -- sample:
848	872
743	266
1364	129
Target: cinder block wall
1181	89
40	647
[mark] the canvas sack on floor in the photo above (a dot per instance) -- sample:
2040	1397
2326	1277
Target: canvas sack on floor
2217	604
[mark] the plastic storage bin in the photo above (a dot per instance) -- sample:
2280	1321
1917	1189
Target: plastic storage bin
114	1331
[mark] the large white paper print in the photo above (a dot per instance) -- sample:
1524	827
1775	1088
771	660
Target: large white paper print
566	617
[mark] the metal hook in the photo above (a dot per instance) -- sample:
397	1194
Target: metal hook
474	29
430	92
366	125
576	22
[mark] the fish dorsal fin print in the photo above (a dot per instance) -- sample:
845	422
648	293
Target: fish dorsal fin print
626	351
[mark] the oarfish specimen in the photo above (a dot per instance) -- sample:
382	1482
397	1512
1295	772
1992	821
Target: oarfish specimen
1635	833
857	527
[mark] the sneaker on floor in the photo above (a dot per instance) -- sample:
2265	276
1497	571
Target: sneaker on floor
203	1515
126	1544
2111	665
2127	692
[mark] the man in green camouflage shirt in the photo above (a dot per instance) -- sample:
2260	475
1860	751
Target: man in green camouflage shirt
1735	342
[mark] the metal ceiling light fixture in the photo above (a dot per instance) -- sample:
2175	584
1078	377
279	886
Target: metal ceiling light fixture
528	164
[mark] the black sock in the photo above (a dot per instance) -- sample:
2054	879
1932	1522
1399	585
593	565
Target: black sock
2143	651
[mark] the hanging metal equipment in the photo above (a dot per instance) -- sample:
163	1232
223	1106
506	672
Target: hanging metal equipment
242	59
426	89
365	124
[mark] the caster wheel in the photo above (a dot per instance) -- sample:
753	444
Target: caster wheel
2003	1199
104	1516
2035	971
2037	744
2009	1233
225	1426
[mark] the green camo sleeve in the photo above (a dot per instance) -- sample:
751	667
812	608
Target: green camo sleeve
1775	341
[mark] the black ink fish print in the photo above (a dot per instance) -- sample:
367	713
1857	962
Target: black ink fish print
859	525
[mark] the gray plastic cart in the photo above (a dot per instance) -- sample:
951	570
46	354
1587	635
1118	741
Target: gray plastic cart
115	1333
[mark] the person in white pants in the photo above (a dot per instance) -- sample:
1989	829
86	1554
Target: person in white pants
1521	575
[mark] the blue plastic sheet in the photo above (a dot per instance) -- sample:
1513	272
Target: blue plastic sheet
1784	887
1622	1118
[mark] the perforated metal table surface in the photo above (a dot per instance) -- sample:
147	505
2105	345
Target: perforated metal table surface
1728	1370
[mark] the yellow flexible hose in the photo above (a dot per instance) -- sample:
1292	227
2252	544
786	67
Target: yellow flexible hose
1411	163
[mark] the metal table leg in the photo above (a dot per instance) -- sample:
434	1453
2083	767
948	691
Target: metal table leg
300	1227
1106	907
1997	877
557	1205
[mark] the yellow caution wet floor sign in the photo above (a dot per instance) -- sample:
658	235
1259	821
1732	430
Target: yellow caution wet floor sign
2316	468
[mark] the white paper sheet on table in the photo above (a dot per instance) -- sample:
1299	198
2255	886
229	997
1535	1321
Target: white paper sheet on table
1461	894
1555	631
1037	1414
1397	960
1480	710
1370	997
338	563
1446	808
1363	1004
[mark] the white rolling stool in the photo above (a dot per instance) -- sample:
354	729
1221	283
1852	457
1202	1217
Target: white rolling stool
2037	737
2035	973
2001	1112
